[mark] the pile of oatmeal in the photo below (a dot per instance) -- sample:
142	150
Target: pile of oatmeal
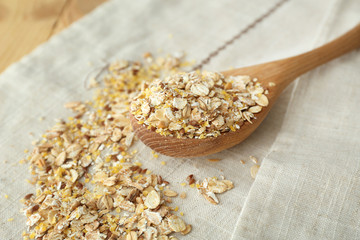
199	104
88	185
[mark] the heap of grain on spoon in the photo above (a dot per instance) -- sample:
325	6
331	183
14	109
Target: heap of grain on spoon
197	114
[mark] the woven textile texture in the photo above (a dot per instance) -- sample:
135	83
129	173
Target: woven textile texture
309	145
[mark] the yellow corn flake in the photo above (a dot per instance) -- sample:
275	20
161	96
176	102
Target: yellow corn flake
32	235
138	164
136	177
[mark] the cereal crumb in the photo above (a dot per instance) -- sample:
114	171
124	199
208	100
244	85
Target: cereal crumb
191	179
183	195
272	84
155	155
209	187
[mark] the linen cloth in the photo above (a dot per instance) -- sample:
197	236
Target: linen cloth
307	186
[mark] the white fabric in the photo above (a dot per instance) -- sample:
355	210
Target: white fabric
307	186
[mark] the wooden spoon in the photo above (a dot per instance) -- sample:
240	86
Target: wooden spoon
281	72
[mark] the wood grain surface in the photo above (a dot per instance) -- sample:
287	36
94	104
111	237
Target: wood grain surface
24	24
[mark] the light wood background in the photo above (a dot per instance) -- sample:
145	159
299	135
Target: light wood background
24	24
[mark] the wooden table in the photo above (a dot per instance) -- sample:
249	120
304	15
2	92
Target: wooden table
24	24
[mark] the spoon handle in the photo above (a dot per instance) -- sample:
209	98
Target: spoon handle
291	68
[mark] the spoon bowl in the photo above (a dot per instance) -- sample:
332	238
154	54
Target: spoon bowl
280	73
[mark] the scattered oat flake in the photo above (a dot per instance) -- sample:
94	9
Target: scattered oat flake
209	187
176	224
187	230
253	159
88	184
262	100
152	199
254	170
170	193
